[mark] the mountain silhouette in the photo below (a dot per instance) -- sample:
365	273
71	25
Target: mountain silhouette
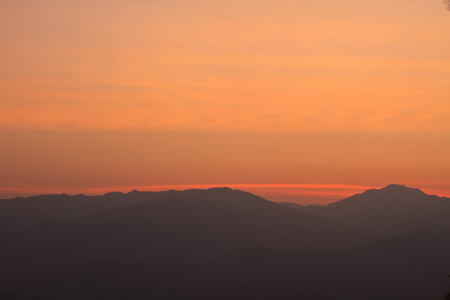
166	226
392	210
20	214
412	266
219	244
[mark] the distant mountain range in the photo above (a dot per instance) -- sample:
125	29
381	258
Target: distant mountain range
392	243
393	210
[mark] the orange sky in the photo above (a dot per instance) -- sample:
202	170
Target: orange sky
110	95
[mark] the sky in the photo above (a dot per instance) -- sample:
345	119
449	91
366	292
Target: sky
301	101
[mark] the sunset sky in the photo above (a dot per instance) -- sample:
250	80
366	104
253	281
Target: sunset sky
303	101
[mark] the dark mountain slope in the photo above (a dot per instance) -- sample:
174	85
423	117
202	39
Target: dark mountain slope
412	266
20	214
217	244
171	226
392	210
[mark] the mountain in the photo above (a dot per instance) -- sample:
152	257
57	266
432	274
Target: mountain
21	214
392	210
212	244
162	227
412	266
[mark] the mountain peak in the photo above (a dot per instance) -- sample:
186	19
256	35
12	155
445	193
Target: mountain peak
400	188
224	189
395	187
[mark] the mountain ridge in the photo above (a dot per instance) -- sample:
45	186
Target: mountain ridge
394	209
218	243
170	226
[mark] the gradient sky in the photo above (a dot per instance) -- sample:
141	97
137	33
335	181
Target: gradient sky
306	101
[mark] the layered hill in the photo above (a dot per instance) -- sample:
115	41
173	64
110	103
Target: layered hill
161	227
412	266
21	214
223	244
392	210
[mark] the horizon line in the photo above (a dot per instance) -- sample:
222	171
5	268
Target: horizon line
306	193
159	187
